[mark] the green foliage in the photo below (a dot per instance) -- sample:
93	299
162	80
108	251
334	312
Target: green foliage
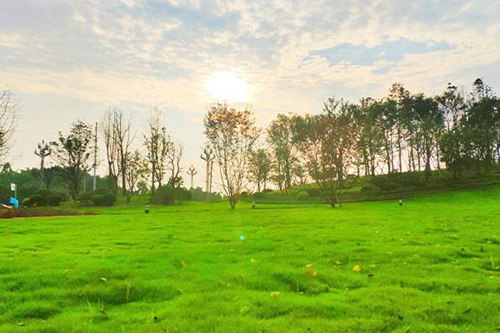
98	198
44	198
54	199
168	195
106	199
198	195
302	195
370	188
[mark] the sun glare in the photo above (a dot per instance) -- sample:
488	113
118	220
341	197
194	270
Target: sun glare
226	86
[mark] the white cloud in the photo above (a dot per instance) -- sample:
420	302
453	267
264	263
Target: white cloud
163	52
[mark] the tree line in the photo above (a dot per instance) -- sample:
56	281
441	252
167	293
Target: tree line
398	133
401	132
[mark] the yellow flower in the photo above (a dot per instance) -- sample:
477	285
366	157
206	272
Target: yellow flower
275	294
356	268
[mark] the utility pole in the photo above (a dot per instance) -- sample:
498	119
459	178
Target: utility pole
94	181
192	172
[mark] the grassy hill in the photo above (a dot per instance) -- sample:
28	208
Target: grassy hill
431	265
382	187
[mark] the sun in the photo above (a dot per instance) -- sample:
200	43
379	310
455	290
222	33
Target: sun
226	86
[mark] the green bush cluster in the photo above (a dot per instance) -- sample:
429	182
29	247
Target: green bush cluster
370	188
97	198
302	195
44	198
197	194
167	195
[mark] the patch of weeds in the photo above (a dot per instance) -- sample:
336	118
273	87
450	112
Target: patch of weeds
36	310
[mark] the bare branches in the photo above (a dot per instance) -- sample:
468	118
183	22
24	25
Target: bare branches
8	111
158	145
118	137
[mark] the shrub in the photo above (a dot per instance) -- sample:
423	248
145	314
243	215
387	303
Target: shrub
36	200
55	199
370	188
107	199
314	192
302	195
167	195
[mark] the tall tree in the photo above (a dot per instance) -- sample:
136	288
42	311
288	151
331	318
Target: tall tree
231	134
72	152
8	110
280	139
123	138
192	172
174	158
430	121
112	155
158	145
43	150
259	168
399	95
370	135
208	156
118	137
137	171
327	141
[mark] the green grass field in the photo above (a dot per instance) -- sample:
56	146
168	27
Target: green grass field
429	266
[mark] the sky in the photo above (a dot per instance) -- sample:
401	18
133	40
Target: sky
69	60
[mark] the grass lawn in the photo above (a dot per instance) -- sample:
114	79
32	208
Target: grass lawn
429	266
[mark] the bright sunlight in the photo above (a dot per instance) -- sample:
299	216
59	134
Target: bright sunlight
226	86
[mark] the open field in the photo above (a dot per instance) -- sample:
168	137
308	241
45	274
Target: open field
429	266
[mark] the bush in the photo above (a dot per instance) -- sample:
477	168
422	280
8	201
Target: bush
314	192
35	200
302	195
55	199
107	199
167	195
370	188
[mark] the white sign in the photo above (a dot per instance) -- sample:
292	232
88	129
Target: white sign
12	186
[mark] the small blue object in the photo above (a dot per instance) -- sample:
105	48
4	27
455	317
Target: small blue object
242	237
14	201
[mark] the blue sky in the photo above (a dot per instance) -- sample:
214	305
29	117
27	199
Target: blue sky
65	60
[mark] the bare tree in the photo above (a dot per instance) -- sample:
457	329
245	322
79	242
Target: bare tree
123	138
174	158
8	110
232	135
158	145
43	150
107	127
208	157
192	172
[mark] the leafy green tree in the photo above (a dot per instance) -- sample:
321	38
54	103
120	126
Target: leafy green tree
280	140
72	152
232	135
326	140
137	171
259	168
